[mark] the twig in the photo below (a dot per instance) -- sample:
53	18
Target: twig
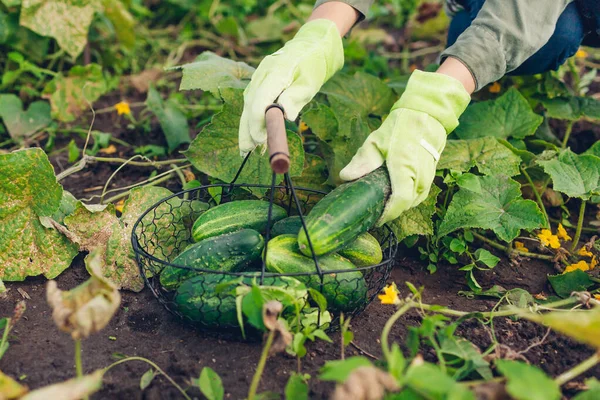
366	353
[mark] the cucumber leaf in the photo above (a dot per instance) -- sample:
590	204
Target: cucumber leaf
527	382
487	154
594	150
510	115
417	220
20	123
571	108
29	191
574	175
574	281
491	202
173	121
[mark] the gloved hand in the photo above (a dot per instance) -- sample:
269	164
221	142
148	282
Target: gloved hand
411	139
291	77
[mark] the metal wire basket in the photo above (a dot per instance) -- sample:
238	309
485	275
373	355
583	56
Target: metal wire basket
165	230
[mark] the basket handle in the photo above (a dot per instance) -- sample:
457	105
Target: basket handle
279	154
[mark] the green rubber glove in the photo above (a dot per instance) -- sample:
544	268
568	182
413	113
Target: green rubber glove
411	139
291	77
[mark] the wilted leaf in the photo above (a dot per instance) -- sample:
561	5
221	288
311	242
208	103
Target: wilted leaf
574	175
73	389
210	384
172	120
491	202
487	154
215	150
365	382
29	191
572	108
211	72
122	21
147	379
9	388
581	325
417	220
69	96
527	382
510	115
574	281
68	21
20	123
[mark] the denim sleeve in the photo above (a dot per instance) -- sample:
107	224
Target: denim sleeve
504	34
362	6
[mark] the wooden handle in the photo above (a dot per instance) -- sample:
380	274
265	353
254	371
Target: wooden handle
279	154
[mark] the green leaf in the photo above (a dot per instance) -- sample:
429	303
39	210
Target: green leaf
572	108
464	358
592	393
574	281
397	362
70	96
11	3
574	175
252	307
296	388
215	150
172	120
510	115
487	154
122	21
431	383
211	72
20	123
484	256
210	384
147	379
417	220
29	191
318	298
68	21
528	382
491	202
339	370
73	151
594	150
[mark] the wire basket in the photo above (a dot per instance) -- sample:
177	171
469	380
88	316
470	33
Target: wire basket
165	230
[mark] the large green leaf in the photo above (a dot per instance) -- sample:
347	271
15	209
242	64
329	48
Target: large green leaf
491	202
211	72
70	96
417	220
29	191
527	382
172	120
574	175
20	123
510	115
68	21
487	154
215	150
574	281
572	108
594	150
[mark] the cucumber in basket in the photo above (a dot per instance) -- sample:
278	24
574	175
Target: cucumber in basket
233	216
363	251
345	291
231	252
287	226
347	211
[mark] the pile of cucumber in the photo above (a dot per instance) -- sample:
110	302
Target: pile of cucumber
229	238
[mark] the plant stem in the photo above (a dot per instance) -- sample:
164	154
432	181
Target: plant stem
261	366
78	366
5	335
181	178
156	367
125	194
499	246
568	131
148	163
578	369
579	225
538	196
385	348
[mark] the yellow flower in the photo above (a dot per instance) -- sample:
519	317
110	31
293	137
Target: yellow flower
520	246
495	87
582	265
122	108
390	295
562	233
581	53
597	297
593	263
119	205
583	251
548	239
303	127
111	149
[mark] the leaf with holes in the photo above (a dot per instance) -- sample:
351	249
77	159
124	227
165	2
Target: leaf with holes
29	191
574	175
20	123
172	120
491	202
487	154
510	115
417	220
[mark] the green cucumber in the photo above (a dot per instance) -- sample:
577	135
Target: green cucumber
233	216
209	299
344	291
346	212
287	226
231	252
363	251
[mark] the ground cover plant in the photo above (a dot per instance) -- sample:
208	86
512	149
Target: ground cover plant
108	107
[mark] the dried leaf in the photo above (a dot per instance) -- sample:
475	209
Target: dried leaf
365	383
73	389
10	388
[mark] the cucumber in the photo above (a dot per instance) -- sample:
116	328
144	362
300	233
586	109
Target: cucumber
346	212
344	291
233	216
231	252
209	300
287	226
363	251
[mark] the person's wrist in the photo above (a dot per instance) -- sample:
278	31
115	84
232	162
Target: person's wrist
344	16
458	70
